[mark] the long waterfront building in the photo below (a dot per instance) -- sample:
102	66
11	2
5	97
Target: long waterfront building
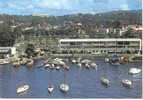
100	46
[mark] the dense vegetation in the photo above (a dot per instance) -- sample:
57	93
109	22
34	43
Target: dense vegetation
66	26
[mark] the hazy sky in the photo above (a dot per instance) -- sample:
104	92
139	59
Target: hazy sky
62	7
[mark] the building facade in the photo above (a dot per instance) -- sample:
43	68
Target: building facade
100	46
7	51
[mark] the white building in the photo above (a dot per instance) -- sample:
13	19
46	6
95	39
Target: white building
7	51
100	46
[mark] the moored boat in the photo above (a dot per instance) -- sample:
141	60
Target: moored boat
126	83
50	88
22	89
93	65
134	71
64	87
105	81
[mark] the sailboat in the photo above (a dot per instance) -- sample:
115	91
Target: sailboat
50	86
64	87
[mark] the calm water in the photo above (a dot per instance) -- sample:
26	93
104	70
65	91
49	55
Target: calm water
83	83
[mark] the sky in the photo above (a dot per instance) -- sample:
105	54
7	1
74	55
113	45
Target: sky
64	7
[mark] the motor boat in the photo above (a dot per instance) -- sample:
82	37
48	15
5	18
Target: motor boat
126	83
50	88
66	67
134	71
85	61
107	59
105	81
87	66
57	67
22	89
93	65
115	60
64	87
74	61
79	64
47	66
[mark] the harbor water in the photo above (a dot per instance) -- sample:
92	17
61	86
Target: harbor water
84	83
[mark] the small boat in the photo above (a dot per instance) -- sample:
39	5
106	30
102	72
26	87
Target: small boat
30	63
85	61
22	89
57	67
47	66
134	71
64	87
126	83
105	81
50	88
93	65
66	67
107	59
74	61
79	64
87	66
16	64
124	59
115	60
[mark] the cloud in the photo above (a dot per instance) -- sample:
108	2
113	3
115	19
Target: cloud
124	7
66	6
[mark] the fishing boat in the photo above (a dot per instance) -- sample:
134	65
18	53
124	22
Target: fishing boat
134	71
64	87
22	89
126	83
105	81
50	88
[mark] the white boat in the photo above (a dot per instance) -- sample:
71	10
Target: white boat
50	89
87	66
57	67
74	61
22	89
134	71
47	65
85	61
79	64
93	65
107	59
64	87
126	82
105	81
